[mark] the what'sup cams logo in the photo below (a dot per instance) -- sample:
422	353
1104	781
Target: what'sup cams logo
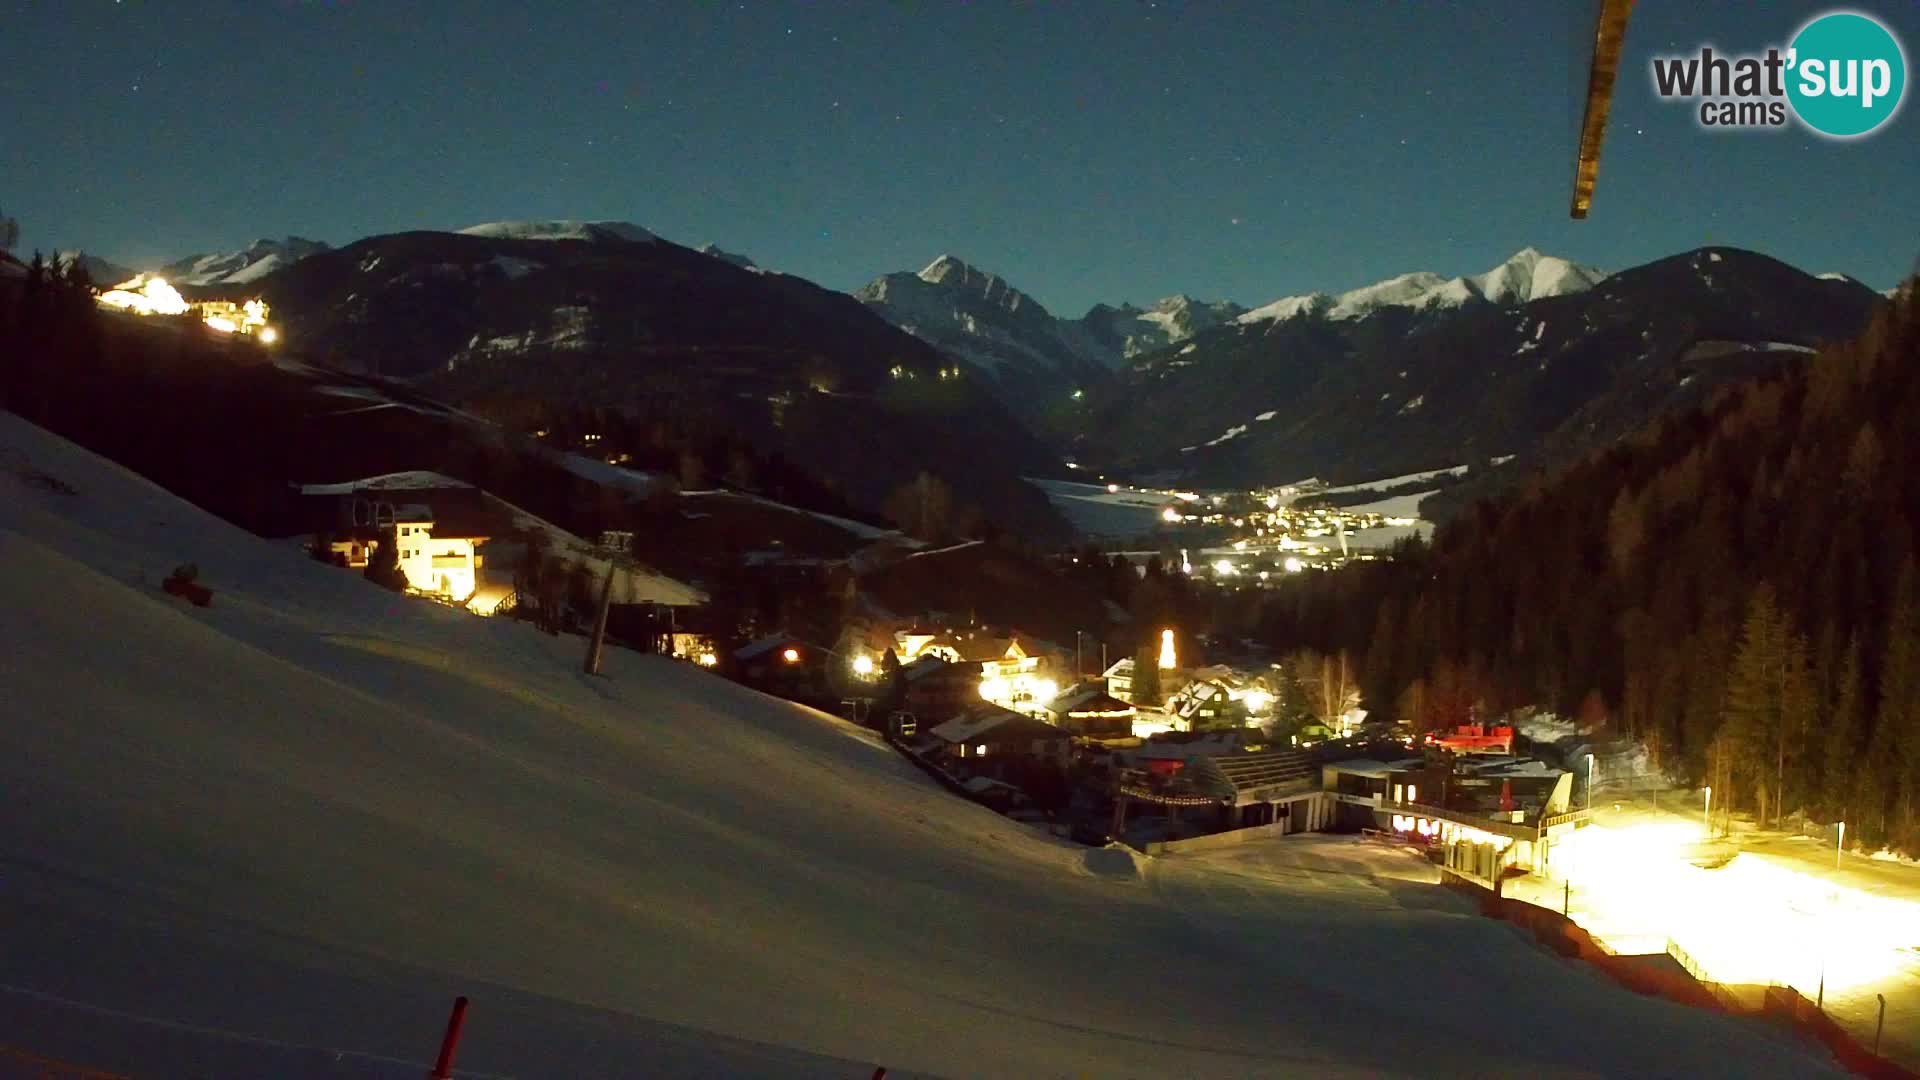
1843	76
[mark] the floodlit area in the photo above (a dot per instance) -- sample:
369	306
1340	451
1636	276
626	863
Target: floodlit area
276	835
149	294
1785	912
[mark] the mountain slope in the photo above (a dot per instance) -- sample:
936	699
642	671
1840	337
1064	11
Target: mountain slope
605	232
980	318
248	265
316	811
1421	372
100	271
494	322
1036	360
1117	334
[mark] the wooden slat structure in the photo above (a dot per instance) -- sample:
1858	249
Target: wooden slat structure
1249	778
1610	34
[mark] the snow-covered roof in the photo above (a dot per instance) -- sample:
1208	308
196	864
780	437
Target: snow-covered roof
765	645
932	665
987	717
1089	698
417	480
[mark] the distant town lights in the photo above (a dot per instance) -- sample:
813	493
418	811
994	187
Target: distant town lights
1293	565
1170	514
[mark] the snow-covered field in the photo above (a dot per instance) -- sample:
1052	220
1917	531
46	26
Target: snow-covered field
275	836
1095	511
1396	481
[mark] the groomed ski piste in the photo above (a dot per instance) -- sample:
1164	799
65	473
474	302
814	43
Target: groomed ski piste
276	836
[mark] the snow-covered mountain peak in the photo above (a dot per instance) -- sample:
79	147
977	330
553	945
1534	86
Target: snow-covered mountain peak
1530	275
1526	275
725	256
250	264
950	268
952	276
1288	307
561	229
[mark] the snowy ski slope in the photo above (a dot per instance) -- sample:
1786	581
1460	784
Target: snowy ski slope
275	836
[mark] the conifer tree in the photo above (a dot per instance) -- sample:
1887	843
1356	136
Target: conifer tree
1146	676
383	569
1899	715
1843	739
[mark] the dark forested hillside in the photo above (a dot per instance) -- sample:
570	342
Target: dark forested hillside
1402	389
651	330
1735	585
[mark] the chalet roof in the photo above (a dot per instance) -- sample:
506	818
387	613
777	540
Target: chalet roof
456	510
1250	777
933	666
1002	723
974	648
1091	698
765	645
1121	669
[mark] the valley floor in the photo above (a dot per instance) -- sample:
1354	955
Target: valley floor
277	835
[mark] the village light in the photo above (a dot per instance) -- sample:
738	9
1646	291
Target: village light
863	665
146	296
994	689
1222	567
1170	514
1113	489
1293	565
1043	690
791	656
268	335
1166	650
707	659
1257	700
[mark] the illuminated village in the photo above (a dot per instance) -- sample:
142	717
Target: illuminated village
148	294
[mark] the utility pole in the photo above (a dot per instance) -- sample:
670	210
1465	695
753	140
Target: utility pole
597	644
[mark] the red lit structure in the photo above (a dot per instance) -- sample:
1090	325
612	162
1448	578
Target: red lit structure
1474	739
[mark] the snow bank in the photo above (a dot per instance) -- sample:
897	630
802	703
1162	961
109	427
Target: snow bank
295	823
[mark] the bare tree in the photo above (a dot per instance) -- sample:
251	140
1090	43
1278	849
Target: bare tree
9	232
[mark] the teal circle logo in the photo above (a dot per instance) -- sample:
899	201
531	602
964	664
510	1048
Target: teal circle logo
1846	74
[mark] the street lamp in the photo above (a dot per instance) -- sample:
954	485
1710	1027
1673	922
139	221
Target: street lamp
863	665
1706	812
1839	844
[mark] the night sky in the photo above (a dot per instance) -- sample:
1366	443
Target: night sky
1086	151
